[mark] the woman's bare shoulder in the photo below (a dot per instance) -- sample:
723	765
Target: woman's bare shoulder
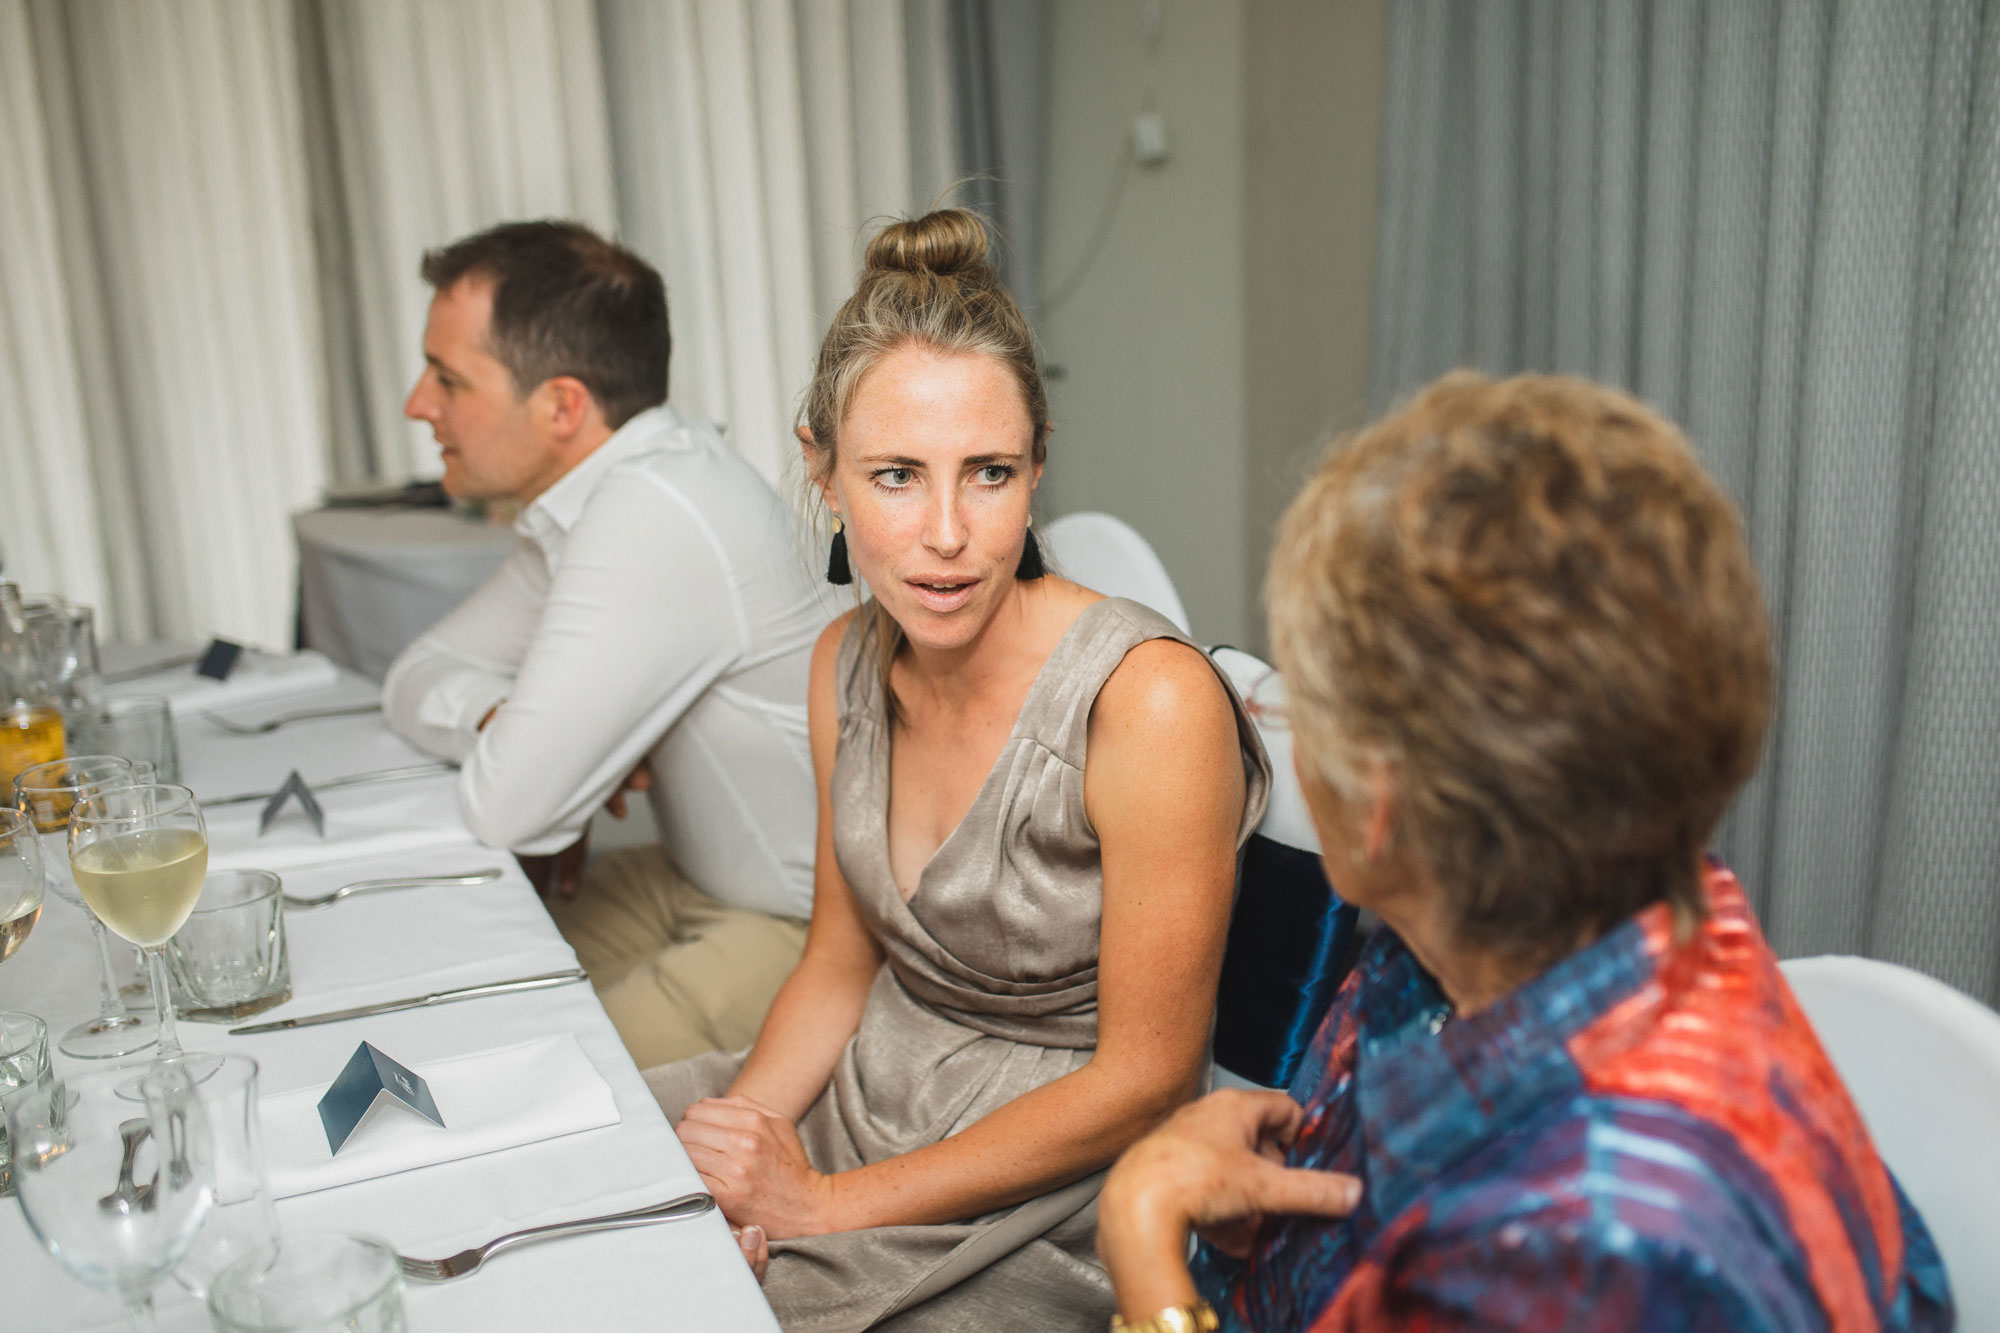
1165	691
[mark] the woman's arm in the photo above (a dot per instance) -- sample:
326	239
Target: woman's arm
1164	788
1216	1167
819	1006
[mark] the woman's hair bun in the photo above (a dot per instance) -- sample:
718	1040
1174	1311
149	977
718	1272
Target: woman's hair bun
949	241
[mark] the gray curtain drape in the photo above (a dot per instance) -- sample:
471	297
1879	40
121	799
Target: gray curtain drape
1779	221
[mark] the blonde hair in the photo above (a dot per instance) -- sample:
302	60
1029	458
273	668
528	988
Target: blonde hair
925	281
1531	604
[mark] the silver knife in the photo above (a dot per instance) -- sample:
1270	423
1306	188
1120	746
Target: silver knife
541	982
351	780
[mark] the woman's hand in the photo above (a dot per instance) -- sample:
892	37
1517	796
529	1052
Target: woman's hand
1216	1167
756	1249
751	1160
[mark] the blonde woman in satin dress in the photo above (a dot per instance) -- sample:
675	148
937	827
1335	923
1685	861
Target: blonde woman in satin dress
1031	802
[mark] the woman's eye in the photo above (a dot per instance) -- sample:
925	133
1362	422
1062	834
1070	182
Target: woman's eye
895	478
995	474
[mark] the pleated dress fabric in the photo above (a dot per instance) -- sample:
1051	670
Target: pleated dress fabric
988	991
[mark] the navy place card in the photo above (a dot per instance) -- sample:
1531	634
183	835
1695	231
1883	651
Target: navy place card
293	788
218	659
371	1075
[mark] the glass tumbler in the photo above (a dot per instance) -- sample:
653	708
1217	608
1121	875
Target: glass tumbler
24	1063
311	1283
242	1220
228	960
138	727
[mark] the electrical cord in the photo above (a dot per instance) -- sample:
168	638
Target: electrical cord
1100	233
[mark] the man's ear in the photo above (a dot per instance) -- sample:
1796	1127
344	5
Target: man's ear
569	404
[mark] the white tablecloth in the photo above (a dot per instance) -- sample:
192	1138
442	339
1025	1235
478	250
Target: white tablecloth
400	943
371	580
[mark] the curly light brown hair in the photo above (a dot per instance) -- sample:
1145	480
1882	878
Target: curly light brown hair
1527	601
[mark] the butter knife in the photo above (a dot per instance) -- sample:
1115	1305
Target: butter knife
331	784
541	982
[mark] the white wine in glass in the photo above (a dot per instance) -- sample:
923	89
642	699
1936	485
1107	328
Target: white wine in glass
21	881
139	855
47	794
143	884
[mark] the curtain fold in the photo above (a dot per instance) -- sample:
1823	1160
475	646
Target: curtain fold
48	510
1778	221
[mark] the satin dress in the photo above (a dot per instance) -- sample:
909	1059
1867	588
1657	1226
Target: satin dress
988	991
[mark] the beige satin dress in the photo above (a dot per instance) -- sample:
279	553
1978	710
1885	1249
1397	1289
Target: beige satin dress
989	990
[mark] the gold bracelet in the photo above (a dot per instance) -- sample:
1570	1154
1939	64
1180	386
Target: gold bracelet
1196	1318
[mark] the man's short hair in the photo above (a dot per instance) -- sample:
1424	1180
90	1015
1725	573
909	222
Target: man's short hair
567	302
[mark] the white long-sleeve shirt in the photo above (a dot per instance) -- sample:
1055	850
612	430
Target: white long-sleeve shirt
658	608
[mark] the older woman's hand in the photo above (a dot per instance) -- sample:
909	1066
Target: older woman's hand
752	1161
1216	1167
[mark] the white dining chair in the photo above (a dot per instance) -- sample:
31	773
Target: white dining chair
1108	554
1290	933
1922	1062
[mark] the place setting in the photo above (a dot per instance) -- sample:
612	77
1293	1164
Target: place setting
129	1171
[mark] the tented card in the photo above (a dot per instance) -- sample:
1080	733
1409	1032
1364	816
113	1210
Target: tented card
370	1075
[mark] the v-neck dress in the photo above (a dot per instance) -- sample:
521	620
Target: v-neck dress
988	990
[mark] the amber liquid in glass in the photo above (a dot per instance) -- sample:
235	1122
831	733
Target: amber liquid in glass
28	736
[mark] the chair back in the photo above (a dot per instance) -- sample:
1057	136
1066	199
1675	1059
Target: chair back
1108	554
1290	933
1922	1063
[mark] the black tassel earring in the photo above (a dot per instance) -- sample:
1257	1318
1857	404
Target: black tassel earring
1031	566
837	571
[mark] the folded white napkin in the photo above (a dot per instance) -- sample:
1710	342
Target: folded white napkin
368	820
256	676
490	1101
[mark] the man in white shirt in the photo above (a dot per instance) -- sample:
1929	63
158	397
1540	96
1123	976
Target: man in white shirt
652	631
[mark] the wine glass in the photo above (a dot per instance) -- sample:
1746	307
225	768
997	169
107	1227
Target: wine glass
139	855
21	880
46	794
115	1174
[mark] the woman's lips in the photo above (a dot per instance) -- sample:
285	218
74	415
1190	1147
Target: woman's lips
943	595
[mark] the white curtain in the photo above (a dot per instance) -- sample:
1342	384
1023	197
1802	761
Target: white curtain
153	162
1780	221
48	509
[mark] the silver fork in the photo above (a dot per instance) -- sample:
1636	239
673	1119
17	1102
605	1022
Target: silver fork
260	728
400	882
468	1261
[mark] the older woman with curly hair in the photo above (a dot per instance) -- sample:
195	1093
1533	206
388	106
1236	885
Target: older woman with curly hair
1566	1086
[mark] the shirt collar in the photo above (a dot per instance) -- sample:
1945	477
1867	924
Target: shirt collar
549	517
1431	1088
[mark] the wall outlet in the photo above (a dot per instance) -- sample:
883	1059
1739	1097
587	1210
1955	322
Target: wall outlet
1149	138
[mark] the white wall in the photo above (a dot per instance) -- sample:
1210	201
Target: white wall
1223	329
1149	407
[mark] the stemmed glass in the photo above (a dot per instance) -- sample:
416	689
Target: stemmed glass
115	1174
21	881
139	855
46	794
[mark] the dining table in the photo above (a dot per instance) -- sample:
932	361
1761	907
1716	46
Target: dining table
547	1057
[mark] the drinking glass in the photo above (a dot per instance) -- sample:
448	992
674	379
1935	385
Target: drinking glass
311	1284
24	1063
135	727
46	794
22	883
139	855
229	962
242	1219
114	1170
